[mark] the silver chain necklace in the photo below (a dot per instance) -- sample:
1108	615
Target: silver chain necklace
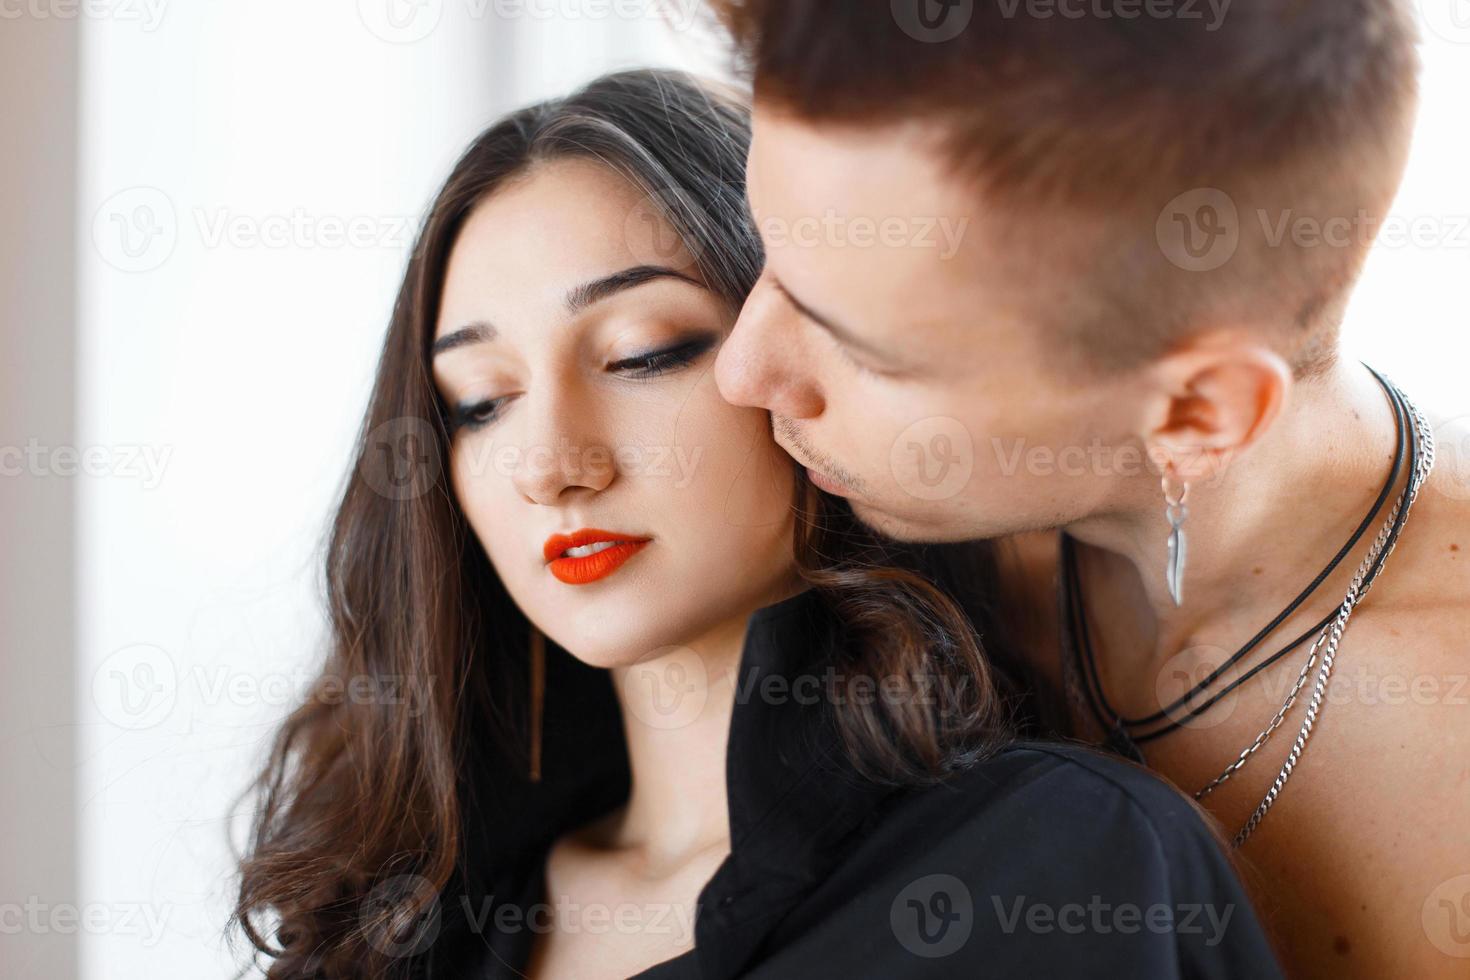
1327	641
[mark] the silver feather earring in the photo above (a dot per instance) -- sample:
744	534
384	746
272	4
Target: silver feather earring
1175	493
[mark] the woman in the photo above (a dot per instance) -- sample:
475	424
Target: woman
747	709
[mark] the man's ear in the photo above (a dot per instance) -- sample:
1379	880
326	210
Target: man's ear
1213	398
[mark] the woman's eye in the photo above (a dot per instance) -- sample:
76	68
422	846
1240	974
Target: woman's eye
669	359
473	416
477	415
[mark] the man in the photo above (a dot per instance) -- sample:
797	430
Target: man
1042	271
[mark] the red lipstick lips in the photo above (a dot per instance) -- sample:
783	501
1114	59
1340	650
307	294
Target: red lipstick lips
599	554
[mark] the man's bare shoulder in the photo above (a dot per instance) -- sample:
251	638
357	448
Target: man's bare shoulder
1425	585
1394	746
1406	654
1437	553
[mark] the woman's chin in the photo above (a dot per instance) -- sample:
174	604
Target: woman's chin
610	649
603	657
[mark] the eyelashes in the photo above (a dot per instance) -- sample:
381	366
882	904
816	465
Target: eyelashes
670	358
856	364
474	416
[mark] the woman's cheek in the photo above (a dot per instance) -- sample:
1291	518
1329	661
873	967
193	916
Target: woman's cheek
476	493
755	476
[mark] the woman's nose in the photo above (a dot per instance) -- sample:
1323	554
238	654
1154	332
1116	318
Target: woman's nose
562	453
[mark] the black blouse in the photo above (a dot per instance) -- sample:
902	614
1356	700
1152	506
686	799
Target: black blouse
1045	860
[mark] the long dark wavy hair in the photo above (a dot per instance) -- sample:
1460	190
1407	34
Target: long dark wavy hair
361	789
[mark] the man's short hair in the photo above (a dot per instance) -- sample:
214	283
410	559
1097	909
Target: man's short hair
1295	114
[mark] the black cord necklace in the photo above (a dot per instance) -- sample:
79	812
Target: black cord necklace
1078	635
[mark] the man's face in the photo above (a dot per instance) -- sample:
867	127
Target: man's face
896	339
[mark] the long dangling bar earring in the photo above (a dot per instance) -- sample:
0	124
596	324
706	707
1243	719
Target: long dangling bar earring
1175	493
538	698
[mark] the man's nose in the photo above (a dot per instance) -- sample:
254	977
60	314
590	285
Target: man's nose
762	363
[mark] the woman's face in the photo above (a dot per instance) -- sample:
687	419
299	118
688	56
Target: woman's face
579	379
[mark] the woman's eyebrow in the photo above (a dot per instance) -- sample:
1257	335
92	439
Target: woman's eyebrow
478	332
578	299
585	295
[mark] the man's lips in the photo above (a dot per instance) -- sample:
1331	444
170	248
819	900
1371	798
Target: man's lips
824	482
600	553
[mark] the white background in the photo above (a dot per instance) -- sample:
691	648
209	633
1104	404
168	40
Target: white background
243	365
